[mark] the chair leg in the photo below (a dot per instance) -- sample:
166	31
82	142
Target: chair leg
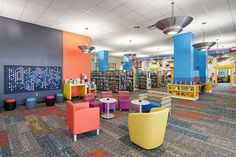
75	138
97	131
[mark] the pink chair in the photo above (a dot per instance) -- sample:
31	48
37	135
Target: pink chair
124	100
90	97
80	118
108	94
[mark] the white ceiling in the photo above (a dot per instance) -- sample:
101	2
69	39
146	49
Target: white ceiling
111	22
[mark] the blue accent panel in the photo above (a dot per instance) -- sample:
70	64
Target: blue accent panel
102	60
152	104
200	64
128	65
184	57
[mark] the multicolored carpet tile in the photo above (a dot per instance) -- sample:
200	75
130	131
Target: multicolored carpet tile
206	127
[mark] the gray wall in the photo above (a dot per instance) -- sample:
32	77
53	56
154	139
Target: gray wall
27	44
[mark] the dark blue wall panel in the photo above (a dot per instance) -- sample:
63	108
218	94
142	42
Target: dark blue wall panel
31	45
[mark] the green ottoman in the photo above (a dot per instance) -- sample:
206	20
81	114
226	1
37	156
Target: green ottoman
59	98
30	103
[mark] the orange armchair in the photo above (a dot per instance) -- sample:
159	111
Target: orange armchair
81	118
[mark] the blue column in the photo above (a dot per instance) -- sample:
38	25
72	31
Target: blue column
200	64
128	65
102	60
184	57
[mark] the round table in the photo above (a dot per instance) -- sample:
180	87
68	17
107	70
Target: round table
140	103
107	101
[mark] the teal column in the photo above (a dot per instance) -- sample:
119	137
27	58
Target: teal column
184	57
102	60
200	64
128	65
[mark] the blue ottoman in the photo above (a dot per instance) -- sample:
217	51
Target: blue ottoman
152	104
59	98
30	103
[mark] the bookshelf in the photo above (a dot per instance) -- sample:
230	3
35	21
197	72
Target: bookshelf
182	91
142	84
113	80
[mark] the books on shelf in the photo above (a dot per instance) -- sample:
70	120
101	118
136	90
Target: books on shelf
113	80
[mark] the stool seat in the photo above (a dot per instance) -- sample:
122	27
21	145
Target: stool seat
30	99
59	94
10	100
50	97
10	104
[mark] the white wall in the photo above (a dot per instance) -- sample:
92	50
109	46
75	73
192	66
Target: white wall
111	59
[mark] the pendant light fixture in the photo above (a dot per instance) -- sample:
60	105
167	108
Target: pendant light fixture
173	24
205	45
130	55
86	48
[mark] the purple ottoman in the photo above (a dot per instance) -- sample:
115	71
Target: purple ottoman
124	104
97	104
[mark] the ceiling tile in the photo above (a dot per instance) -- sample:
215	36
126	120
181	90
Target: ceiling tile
68	1
32	12
51	12
28	18
76	11
131	15
160	4
121	1
60	5
98	11
15	2
16	8
121	10
134	4
110	16
43	2
145	9
109	4
85	4
36	6
11	13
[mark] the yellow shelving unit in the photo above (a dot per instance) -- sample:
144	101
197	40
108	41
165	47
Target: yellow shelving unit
181	91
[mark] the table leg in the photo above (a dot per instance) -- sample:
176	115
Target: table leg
140	108
108	115
108	109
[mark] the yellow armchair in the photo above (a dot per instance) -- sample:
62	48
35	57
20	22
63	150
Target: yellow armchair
147	130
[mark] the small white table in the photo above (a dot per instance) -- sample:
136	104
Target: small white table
107	101
140	103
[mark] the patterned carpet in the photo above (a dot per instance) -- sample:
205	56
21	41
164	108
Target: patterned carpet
206	127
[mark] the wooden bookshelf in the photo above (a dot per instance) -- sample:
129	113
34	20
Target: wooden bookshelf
182	91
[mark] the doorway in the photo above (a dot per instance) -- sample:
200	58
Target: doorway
224	75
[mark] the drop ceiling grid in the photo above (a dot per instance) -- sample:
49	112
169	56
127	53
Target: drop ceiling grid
116	18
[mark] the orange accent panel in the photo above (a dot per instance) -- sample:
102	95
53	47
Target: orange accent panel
75	62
